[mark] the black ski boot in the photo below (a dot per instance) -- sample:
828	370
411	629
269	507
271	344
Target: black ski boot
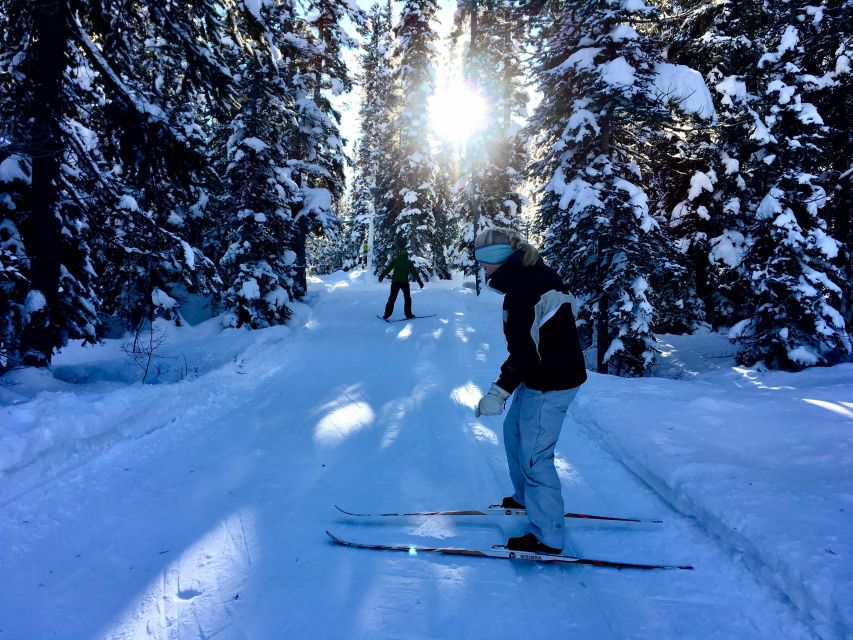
511	503
528	542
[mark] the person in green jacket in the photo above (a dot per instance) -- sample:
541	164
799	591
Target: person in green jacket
401	269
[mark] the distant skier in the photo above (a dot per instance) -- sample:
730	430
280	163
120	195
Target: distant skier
545	367
401	269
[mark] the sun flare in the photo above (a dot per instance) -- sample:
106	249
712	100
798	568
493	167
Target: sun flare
457	111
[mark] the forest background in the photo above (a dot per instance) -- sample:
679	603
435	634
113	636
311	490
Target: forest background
684	165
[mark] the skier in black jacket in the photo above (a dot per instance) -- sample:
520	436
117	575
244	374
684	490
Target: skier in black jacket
544	369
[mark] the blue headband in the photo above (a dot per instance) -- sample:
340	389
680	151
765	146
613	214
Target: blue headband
493	253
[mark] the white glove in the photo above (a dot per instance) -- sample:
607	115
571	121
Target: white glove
492	404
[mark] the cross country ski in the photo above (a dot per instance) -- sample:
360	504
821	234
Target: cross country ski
493	510
390	320
499	552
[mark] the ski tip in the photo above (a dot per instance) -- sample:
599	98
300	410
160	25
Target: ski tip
333	537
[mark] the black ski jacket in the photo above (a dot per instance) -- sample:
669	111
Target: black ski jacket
542	340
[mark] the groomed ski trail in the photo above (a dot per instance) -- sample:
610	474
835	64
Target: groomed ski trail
214	526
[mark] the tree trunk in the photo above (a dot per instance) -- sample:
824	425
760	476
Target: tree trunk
300	241
473	75
42	333
602	324
506	116
371	237
475	27
602	336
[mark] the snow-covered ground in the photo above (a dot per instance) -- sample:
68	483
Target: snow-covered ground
196	508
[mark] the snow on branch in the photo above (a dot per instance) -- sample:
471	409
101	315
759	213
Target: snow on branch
142	105
686	87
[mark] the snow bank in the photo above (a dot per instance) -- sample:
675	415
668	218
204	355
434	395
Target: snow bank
763	460
91	400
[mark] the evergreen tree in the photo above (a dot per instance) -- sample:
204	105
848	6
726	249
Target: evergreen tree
111	99
165	66
445	211
375	123
599	120
360	223
791	261
494	158
344	251
710	213
828	77
258	264
408	190
318	155
774	68
46	293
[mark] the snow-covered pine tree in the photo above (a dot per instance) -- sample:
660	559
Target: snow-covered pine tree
15	190
683	190
133	85
598	120
341	252
701	190
258	264
408	192
445	211
387	148
359	223
162	69
46	294
318	155
375	121
827	72
494	158
792	263
14	286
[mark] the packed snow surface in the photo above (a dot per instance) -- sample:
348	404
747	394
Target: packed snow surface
196	507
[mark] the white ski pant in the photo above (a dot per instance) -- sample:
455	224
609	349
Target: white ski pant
531	430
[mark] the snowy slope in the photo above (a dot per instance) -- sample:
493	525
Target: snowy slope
197	509
764	460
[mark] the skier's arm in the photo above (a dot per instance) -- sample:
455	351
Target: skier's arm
386	270
519	343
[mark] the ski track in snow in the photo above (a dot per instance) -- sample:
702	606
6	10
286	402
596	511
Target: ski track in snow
213	527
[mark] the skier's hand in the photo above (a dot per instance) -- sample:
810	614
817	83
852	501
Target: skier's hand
492	404
381	278
422	284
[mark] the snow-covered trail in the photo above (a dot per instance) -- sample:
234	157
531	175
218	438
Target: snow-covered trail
213	527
